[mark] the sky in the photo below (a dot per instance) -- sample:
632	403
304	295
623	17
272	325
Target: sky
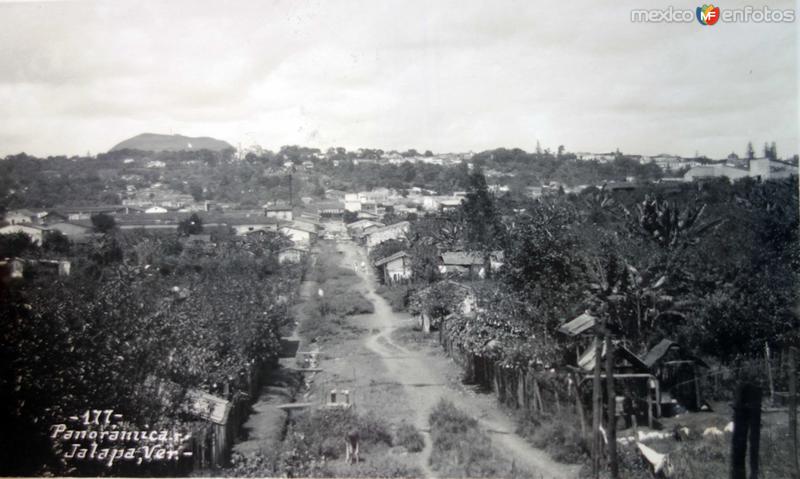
449	76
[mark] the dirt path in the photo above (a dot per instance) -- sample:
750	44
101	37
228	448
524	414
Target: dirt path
425	380
264	426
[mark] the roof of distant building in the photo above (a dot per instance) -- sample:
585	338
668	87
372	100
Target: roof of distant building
389	259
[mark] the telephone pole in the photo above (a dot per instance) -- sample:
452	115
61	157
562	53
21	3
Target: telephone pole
612	407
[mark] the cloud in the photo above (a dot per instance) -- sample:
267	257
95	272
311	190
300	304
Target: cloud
449	75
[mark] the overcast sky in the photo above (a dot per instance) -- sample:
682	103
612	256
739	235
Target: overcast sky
441	75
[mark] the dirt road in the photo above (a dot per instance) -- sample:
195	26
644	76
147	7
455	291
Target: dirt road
425	378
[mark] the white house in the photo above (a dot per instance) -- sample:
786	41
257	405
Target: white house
36	233
396	231
396	268
763	168
352	202
279	212
16	217
155	209
431	203
250	224
362	224
299	233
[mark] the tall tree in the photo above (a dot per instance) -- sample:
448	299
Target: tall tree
192	225
103	223
484	229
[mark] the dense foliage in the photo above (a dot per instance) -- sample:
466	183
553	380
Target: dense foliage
194	316
712	265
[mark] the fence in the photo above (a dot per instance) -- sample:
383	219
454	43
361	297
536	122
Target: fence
529	389
212	442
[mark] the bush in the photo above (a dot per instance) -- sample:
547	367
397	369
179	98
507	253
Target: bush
396	296
558	434
375	467
460	448
410	438
326	428
350	303
318	436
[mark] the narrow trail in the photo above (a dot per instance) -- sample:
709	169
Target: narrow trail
424	381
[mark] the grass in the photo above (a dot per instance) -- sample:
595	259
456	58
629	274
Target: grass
396	296
314	447
462	449
412	337
325	316
557	434
703	458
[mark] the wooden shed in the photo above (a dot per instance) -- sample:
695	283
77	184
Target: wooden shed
677	372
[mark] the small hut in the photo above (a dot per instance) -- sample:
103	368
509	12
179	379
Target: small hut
677	371
637	389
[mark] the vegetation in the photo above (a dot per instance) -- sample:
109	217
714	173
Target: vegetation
712	265
325	314
558	434
314	447
137	311
410	438
397	296
460	448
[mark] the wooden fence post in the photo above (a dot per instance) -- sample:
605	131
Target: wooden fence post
793	409
768	365
612	408
596	445
579	405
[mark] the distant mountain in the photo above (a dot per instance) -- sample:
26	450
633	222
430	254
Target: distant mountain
157	142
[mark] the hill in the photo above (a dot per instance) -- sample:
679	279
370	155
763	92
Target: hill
157	142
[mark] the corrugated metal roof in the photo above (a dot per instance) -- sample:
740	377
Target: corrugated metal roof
462	258
662	348
587	360
398	255
578	325
469	258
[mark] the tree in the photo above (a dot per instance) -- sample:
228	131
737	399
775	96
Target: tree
15	244
543	260
56	241
428	153
103	223
484	230
192	225
773	151
196	190
350	217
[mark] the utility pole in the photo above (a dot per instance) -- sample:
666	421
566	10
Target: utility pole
291	195
768	365
612	407
596	405
793	409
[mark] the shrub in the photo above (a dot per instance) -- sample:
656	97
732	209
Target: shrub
396	296
350	303
460	448
410	438
558	434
